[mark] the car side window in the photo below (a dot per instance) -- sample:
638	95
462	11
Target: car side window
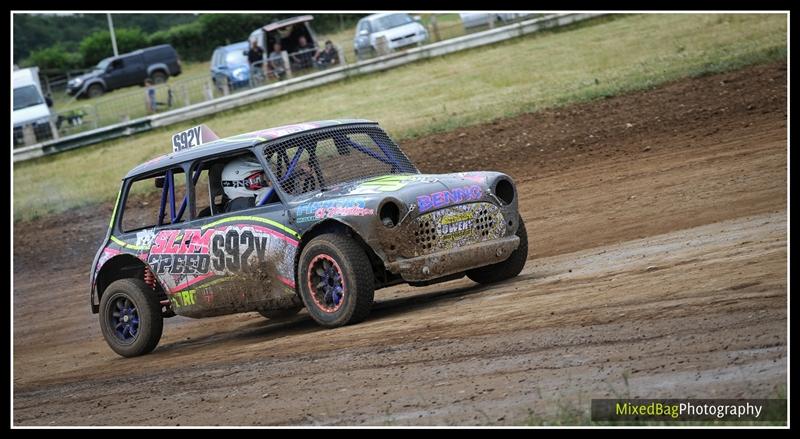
229	184
156	200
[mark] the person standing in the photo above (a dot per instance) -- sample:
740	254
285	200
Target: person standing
150	96
255	57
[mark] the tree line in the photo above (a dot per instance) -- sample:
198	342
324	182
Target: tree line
77	41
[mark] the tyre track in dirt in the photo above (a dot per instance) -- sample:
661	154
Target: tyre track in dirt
658	259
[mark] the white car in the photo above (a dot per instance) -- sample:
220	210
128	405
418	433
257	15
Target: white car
400	30
31	108
482	19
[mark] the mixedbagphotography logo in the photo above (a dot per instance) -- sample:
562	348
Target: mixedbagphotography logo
744	410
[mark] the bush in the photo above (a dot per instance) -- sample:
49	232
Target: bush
54	58
97	46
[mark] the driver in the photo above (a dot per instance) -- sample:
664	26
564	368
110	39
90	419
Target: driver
244	182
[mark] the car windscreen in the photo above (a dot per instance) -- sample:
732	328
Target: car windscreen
235	56
27	96
103	65
318	161
390	21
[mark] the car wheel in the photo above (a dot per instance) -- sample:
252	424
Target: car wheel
335	280
159	77
95	90
130	317
507	269
274	314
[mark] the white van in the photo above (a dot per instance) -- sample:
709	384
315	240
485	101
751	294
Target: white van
31	109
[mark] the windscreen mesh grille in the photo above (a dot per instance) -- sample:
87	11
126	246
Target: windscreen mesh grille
322	159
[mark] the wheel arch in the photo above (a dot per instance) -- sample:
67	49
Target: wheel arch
152	68
334	226
122	266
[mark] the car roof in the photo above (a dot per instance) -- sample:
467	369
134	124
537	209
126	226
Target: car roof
382	14
283	23
234	143
235	45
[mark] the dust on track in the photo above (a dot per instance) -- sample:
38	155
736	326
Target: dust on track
657	269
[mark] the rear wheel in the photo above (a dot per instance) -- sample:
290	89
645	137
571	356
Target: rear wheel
507	269
159	77
335	280
130	317
95	90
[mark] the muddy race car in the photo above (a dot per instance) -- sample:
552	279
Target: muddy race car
316	215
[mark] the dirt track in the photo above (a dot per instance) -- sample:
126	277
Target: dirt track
657	269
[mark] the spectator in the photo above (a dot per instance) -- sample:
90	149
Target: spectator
150	96
275	62
327	57
255	57
304	57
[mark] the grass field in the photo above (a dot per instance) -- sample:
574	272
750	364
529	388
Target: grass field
604	57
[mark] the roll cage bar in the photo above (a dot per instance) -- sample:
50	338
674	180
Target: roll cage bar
340	139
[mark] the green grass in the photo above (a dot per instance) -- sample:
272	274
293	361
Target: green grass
603	57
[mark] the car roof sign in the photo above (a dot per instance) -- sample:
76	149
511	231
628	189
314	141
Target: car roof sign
192	137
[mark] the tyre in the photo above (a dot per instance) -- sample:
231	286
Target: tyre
335	280
95	90
130	317
159	77
274	314
507	269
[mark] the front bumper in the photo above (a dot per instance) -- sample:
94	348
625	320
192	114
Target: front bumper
443	263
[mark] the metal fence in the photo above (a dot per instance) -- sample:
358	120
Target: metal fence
127	112
125	105
122	106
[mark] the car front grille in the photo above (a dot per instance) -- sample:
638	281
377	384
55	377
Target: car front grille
403	38
457	226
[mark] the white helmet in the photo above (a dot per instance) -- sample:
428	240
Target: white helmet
244	177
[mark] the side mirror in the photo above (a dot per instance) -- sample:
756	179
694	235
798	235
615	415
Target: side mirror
416	18
160	181
363	33
49	101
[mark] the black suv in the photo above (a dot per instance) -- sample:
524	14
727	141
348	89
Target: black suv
157	63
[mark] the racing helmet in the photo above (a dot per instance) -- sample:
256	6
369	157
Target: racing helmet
244	177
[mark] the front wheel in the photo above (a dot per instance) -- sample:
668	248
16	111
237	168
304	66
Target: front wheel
507	269
95	90
130	317
335	280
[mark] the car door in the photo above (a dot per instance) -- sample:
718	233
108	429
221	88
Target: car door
114	74
151	225
249	253
134	72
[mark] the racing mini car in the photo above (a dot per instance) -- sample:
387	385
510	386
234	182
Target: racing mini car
316	215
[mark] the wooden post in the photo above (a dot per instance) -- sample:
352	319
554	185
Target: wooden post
435	29
286	64
382	45
209	93
28	136
53	129
340	53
